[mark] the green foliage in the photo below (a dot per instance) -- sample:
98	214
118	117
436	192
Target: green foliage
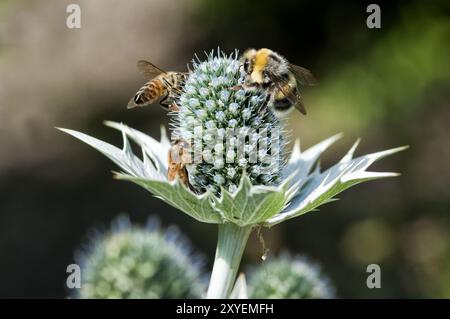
288	277
132	262
391	79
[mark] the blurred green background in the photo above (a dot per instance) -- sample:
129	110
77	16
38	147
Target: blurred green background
389	86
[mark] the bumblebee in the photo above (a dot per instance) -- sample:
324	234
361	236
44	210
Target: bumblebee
283	81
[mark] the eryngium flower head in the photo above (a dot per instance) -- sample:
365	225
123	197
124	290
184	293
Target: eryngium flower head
288	277
132	262
249	197
232	130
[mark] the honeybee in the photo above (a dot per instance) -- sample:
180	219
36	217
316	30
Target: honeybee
163	86
179	157
284	81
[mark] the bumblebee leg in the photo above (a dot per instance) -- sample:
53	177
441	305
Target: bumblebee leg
244	86
236	87
268	100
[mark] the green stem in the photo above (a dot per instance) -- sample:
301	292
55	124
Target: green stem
230	247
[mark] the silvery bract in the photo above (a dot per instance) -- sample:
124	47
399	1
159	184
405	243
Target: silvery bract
303	185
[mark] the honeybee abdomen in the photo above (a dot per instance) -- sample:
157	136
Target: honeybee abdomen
150	92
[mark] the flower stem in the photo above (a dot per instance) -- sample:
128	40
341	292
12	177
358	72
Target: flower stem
230	247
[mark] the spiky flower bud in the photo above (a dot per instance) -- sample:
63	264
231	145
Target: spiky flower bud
231	130
289	277
132	262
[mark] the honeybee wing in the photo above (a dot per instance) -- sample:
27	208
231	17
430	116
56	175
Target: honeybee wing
303	75
148	69
293	96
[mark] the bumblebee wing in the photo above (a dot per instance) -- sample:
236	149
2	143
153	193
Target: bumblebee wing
293	95
148	69
300	105
302	75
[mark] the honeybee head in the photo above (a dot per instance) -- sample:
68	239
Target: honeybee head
259	65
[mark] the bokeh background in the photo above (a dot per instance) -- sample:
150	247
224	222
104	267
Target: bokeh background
389	86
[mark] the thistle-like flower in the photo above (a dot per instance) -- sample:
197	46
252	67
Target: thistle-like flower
227	128
134	262
288	277
253	186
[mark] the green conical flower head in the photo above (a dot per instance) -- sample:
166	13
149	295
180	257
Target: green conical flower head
134	262
233	130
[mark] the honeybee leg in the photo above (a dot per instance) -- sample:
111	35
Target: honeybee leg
169	105
174	107
165	103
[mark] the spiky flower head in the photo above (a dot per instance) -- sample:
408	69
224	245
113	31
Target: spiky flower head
244	192
288	277
232	130
133	262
